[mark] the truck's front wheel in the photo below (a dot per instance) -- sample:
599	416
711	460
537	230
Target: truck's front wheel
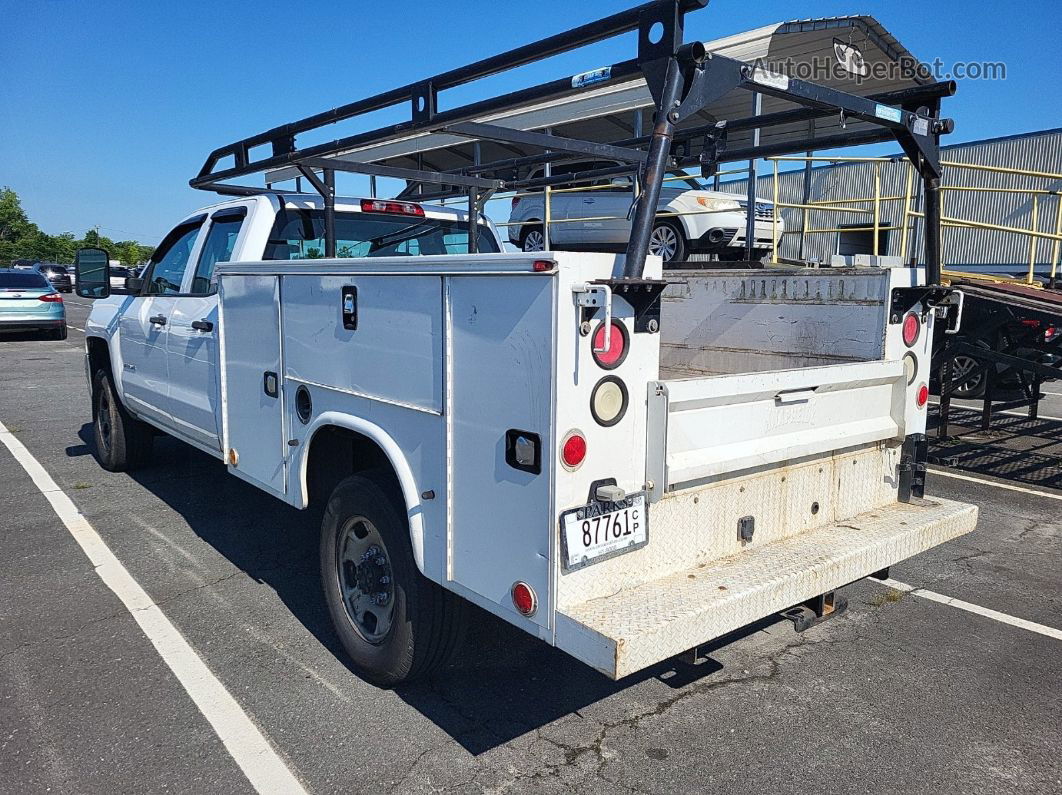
122	441
395	624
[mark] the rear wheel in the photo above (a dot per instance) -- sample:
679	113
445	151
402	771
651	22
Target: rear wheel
667	242
60	333
532	239
122	441
395	624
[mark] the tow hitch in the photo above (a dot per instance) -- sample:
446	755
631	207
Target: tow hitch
815	611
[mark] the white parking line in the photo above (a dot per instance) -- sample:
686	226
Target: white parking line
995	483
987	612
245	743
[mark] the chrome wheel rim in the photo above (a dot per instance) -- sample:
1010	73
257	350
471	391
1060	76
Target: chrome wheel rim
961	367
103	420
366	581
663	242
534	241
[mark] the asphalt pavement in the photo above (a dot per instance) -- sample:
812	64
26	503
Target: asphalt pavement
900	693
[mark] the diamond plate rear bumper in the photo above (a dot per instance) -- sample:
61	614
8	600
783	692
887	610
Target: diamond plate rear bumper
637	627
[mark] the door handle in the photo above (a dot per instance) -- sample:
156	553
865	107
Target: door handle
588	201
202	325
157	320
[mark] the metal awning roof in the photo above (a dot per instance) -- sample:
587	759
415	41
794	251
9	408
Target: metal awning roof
855	54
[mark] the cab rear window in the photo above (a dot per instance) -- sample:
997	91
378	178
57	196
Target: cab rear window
299	234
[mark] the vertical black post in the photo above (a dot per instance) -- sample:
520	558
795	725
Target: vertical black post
473	220
990	388
330	212
932	228
806	193
750	193
944	414
653	173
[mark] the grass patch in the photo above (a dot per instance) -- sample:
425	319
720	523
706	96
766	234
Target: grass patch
884	597
82	485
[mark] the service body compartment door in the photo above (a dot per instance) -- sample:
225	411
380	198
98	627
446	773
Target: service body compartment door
502	379
255	444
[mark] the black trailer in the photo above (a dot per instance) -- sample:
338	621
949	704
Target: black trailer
1009	339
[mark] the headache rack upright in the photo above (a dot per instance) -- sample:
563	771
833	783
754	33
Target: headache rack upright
682	80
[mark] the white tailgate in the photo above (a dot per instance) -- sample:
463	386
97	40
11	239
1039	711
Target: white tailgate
699	428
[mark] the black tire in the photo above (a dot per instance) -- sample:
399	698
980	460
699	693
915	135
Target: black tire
426	621
60	333
675	235
123	442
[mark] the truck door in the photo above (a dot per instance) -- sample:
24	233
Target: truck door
144	325
192	343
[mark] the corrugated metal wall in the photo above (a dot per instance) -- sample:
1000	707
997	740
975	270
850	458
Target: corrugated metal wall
961	246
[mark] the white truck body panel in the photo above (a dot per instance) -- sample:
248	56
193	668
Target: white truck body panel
780	396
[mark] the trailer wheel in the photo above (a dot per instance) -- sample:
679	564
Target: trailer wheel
668	242
122	441
395	624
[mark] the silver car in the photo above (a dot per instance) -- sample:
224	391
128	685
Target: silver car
693	219
29	303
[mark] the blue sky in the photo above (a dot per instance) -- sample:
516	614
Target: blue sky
108	108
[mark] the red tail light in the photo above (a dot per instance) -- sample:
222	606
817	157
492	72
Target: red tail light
391	207
573	449
52	298
516	201
1031	323
912	327
617	345
922	397
524	599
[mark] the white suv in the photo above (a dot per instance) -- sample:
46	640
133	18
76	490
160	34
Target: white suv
709	222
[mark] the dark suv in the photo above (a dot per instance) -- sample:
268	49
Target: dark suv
58	276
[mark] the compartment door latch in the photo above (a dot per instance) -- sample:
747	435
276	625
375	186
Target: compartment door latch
350	307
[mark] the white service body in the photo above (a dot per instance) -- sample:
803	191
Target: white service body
778	395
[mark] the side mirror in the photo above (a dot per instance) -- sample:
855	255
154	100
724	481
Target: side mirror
623	183
134	284
92	273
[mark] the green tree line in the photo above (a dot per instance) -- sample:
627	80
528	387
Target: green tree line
20	238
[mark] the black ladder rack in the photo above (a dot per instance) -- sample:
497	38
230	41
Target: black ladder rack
682	79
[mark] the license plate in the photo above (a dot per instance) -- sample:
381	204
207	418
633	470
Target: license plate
602	530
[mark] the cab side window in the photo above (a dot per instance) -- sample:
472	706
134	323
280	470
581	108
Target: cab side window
170	260
220	241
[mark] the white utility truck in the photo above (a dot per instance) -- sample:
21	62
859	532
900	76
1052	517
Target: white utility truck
624	467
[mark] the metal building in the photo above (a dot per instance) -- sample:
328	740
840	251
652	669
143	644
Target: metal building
1019	189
